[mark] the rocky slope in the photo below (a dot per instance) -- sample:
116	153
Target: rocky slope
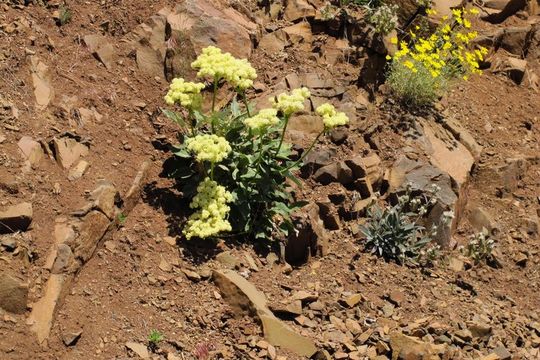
92	257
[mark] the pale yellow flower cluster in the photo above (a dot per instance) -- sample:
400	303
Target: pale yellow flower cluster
289	104
211	218
215	64
331	117
264	119
184	93
210	148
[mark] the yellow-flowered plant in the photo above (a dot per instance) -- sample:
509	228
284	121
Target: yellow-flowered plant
234	163
184	93
217	65
421	69
331	117
209	147
262	121
291	103
210	219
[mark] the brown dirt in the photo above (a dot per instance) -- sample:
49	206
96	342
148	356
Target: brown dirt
121	294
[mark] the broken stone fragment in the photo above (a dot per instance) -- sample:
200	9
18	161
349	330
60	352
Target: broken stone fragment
139	349
192	275
16	218
449	155
245	299
336	172
101	49
31	150
514	68
105	197
317	159
298	9
68	151
366	167
41	80
329	215
64	259
298	33
274	42
13	294
352	300
42	315
171	40
78	170
407	347
310	237
71	338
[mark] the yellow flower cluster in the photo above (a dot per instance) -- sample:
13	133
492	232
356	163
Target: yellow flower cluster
445	51
183	92
215	64
331	117
210	148
289	104
264	119
211	218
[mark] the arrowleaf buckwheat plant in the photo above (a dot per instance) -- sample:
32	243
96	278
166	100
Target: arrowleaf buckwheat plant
233	164
422	68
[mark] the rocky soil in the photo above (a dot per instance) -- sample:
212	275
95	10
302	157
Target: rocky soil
91	254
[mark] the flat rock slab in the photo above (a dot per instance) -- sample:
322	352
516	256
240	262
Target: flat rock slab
41	80
139	349
42	315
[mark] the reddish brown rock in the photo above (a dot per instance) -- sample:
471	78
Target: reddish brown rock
16	218
13	294
310	237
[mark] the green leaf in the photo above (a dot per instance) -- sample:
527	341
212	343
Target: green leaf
174	116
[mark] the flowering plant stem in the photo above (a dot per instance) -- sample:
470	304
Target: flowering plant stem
283	134
305	152
214	95
244	99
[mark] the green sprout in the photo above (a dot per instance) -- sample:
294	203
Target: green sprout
154	339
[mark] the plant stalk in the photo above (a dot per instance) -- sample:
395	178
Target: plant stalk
283	134
244	99
216	81
305	152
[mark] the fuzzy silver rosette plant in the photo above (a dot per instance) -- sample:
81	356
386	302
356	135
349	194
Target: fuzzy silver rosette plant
232	164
